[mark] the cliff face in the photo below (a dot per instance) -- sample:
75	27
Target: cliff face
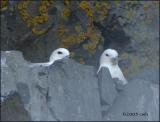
71	91
64	91
86	28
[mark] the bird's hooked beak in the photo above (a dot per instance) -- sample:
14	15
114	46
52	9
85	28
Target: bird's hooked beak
115	60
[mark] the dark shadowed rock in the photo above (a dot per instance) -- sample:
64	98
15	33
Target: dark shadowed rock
13	109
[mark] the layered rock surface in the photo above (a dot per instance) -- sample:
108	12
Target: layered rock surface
68	90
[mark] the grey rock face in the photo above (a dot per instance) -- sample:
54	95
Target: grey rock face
137	102
107	87
149	74
73	92
68	90
13	109
64	91
10	61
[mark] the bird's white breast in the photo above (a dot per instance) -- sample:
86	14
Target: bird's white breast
116	72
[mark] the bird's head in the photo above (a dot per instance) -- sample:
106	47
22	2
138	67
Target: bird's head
58	54
110	57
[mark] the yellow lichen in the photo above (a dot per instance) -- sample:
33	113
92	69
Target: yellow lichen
34	21
66	12
101	10
61	31
78	28
39	32
4	5
89	39
66	2
87	8
69	41
85	5
81	61
94	37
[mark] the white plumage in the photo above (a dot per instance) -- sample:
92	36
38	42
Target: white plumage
109	59
57	54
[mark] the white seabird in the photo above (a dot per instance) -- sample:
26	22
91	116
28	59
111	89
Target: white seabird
57	54
109	59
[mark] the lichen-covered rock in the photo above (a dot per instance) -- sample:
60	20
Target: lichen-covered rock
89	27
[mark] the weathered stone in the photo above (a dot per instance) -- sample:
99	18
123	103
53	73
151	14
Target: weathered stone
138	102
68	90
74	92
149	74
13	109
64	91
107	87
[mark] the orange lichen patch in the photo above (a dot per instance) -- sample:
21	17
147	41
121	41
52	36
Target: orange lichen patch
23	5
34	21
66	12
42	9
39	32
81	37
94	37
101	10
87	8
103	6
85	5
66	2
69	41
30	24
78	28
91	47
81	61
40	19
61	31
4	5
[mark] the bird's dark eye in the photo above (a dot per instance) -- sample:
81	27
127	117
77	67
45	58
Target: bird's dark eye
107	55
59	52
